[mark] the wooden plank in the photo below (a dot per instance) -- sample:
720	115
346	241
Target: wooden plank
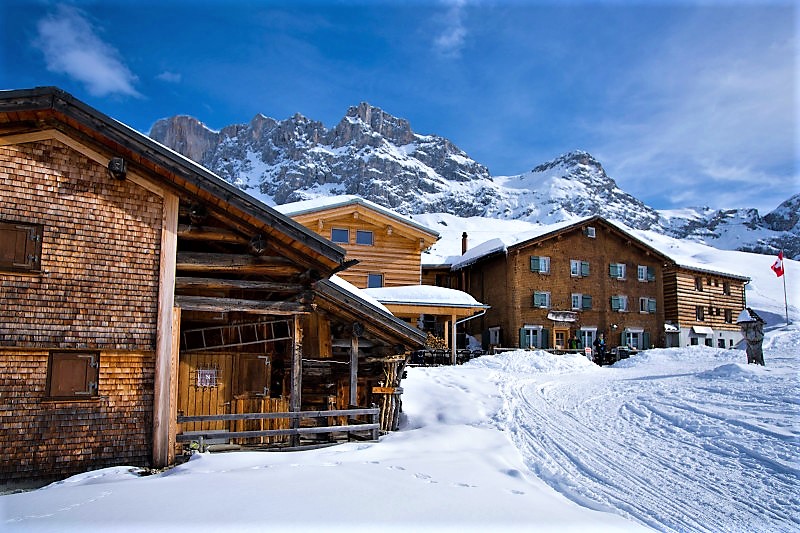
183	282
162	410
201	261
173	390
275	415
296	375
207	233
222	305
184	437
353	367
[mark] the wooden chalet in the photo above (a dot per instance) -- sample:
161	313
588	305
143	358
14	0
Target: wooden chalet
387	245
568	281
701	306
148	305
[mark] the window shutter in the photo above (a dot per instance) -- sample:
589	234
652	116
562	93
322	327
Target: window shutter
545	338
20	246
523	338
535	264
645	340
612	270
615	303
72	375
587	301
651	274
651	305
584	268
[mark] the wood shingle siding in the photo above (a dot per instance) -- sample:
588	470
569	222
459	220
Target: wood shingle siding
93	286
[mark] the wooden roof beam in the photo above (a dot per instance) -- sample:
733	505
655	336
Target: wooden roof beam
217	283
225	305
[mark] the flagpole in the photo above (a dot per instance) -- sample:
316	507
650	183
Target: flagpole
785	300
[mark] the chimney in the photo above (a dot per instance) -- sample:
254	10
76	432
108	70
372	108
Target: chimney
463	243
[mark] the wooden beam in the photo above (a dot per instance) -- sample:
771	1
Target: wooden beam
223	305
207	233
162	408
353	367
296	377
246	264
216	283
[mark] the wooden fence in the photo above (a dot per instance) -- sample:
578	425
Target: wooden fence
353	428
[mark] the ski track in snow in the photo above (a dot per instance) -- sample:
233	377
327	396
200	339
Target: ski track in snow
694	449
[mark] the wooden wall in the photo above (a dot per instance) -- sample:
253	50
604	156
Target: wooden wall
45	439
99	282
97	290
511	301
394	253
682	298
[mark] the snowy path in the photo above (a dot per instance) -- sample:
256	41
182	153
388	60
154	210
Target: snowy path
703	444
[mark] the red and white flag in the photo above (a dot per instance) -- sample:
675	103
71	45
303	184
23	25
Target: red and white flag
777	267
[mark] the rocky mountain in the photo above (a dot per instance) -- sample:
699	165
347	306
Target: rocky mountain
379	157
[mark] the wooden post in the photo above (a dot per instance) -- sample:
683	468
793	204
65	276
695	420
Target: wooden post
295	399
173	391
163	411
453	340
353	367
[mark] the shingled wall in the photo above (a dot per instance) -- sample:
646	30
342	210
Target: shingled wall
97	291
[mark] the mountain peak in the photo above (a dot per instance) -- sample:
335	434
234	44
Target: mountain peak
571	159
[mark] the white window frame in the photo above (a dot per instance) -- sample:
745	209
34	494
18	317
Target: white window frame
634	337
546	295
621	270
623	303
647	305
645	273
587	335
544	264
580	298
576	268
533	334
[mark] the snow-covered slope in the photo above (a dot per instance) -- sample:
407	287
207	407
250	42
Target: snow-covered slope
377	156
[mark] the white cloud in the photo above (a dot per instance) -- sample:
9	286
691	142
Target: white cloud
169	77
71	46
452	37
713	125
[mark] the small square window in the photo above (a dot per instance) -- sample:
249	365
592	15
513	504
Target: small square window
340	235
364	237
20	246
374	281
72	375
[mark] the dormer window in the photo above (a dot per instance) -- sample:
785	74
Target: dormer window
589	232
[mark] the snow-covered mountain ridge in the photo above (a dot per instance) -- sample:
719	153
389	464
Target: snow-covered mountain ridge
379	157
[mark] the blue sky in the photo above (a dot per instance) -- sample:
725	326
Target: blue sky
684	103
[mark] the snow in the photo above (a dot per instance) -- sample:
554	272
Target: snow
680	439
422	295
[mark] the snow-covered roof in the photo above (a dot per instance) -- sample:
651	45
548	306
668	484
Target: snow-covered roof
427	295
318	204
359	293
504	242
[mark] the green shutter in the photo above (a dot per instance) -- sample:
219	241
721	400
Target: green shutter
523	339
535	264
612	270
587	302
651	274
645	340
615	303
584	268
545	338
651	305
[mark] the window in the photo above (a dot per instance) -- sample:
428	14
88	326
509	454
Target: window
374	280
693	341
587	336
645	273
619	303
699	312
617	270
72	375
494	336
340	235
531	336
541	299
581	301
635	338
647	305
578	268
364	237
726	288
698	284
728	316
709	342
590	232
540	264
720	343
20	246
